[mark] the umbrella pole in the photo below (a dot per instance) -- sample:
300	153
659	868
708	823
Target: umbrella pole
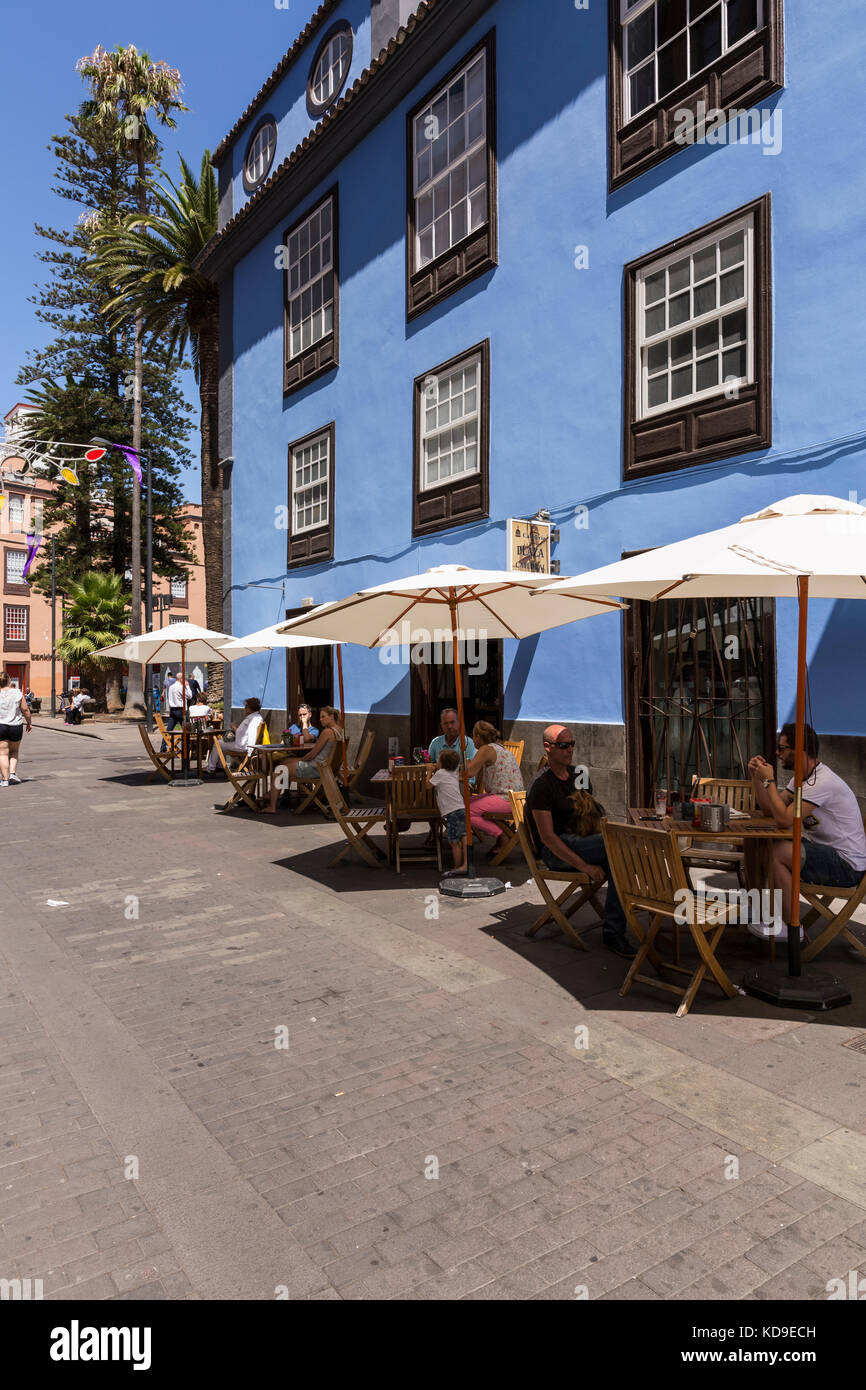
342	710
799	742
465	885
816	989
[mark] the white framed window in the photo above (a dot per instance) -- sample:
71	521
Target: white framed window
330	68
260	153
666	42
450	163
15	560
178	586
16	623
311	474
16	512
451	424
37	511
695	318
310	275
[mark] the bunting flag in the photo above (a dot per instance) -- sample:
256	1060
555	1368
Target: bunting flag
131	458
33	544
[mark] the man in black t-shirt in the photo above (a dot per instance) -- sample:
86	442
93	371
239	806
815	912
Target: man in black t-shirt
552	827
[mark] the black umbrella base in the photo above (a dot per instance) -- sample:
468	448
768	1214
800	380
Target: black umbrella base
186	782
462	886
814	989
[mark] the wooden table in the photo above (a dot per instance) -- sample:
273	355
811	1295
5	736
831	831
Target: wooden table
385	780
754	831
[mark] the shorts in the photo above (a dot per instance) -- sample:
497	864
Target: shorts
305	772
455	826
824	864
11	733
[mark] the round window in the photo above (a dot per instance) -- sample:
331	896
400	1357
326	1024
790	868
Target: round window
260	153
330	69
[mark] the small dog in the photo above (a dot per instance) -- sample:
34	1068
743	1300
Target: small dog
588	814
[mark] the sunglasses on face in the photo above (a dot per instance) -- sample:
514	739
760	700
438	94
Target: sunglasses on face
569	744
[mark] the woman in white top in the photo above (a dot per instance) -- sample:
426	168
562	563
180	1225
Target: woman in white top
246	735
501	776
14	717
303	768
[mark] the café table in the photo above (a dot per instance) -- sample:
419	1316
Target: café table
386	781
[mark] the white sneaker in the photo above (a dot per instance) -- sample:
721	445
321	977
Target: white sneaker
4	784
14	780
765	931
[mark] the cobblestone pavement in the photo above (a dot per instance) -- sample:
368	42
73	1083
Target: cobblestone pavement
159	1141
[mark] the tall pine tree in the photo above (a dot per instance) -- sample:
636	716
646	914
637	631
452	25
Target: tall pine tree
82	381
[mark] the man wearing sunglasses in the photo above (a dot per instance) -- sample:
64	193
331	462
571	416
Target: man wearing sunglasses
552	827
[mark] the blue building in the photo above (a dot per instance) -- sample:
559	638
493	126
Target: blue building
492	259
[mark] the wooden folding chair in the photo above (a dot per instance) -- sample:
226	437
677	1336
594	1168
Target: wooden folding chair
173	737
413	799
573	881
356	822
516	747
244	778
820	900
728	791
357	768
650	876
161	761
311	788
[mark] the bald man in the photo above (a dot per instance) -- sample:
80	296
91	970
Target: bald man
552	827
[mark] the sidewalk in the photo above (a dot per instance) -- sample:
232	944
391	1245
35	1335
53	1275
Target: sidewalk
230	1071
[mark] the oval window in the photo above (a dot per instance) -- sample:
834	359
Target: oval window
260	153
330	69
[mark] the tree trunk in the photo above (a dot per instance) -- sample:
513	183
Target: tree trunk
135	686
206	327
113	700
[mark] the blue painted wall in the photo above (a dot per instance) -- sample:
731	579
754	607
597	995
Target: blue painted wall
556	355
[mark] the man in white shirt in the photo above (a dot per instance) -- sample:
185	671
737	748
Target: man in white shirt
175	702
245	735
834	841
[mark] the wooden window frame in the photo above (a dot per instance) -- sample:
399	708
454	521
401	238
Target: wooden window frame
466	498
251	185
180	602
316	546
713	427
316	109
323	356
741	78
13	644
8	586
478	252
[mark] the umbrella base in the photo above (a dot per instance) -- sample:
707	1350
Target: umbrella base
186	782
460	886
814	989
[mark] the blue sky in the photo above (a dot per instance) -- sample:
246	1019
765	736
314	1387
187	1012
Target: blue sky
224	49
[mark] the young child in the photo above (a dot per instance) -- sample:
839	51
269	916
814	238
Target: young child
449	795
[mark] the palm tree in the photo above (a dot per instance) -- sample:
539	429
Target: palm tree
127	87
149	260
96	615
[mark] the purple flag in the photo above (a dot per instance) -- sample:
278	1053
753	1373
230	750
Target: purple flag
31	555
131	458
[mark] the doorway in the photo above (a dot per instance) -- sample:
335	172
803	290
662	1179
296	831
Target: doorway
17	673
309	675
700	691
433	689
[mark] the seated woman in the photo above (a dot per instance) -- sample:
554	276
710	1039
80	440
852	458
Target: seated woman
501	776
303	727
245	735
303	767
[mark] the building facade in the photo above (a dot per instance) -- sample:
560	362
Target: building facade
27	649
481	261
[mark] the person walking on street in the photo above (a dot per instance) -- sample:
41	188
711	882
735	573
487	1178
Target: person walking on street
14	718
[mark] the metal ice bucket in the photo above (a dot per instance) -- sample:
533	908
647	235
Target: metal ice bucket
713	817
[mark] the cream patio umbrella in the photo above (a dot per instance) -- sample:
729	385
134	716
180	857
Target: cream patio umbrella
181	642
798	548
271	638
448	601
